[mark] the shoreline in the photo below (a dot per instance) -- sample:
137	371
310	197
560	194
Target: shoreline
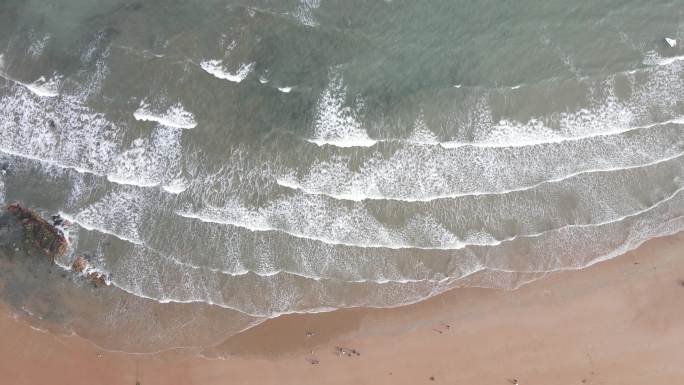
620	320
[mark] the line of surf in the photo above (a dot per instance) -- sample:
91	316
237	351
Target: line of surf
463	245
359	197
175	117
91	227
328	241
266	274
626	247
51	162
113	178
371	142
299	274
34	88
274	314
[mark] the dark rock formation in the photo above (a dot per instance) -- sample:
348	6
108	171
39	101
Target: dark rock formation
98	279
39	234
79	264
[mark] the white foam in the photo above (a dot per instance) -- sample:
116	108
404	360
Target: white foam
131	164
654	59
112	177
118	213
609	118
175	186
273	273
291	301
201	287
59	131
510	134
304	12
379	180
286	292
49	162
361	197
348	196
669	60
148	162
236	273
38	43
47	88
131	181
175	116
513	134
43	88
309	218
2	187
612	132
285	90
421	133
335	123
216	68
263	80
350	141
100	229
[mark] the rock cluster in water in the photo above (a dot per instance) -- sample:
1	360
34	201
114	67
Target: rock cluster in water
38	233
81	265
43	237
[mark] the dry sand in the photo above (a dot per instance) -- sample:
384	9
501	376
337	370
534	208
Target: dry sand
618	322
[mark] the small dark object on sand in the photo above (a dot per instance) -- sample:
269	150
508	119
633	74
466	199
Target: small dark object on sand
513	381
681	282
313	361
310	334
437	331
346	352
432	378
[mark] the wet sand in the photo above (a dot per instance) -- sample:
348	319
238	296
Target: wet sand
618	322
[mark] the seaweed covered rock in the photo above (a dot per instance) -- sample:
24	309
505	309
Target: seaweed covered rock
98	279
79	265
82	266
38	233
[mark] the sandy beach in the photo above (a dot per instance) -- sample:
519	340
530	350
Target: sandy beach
618	322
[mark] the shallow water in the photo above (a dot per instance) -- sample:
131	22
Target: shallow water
227	162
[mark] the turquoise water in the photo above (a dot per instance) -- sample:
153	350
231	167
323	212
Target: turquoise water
225	162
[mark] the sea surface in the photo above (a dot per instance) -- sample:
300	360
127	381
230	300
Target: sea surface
226	162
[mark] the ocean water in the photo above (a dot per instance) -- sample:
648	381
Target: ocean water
226	162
